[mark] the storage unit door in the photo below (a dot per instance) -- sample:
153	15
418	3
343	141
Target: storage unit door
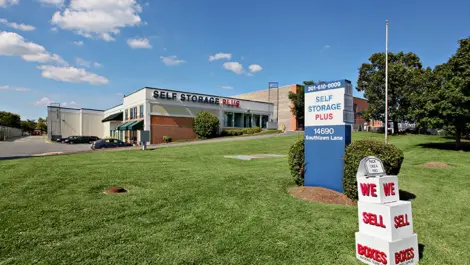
177	128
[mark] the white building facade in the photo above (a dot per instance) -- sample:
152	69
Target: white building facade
162	112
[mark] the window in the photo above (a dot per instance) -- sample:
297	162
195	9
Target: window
132	113
135	112
228	119
256	120
264	121
141	110
126	115
238	120
247	121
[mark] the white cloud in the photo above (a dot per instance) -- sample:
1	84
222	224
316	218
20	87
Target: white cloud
227	87
45	101
58	3
119	94
78	43
18	89
255	68
235	67
5	3
219	56
171	60
12	44
85	63
72	75
327	47
14	25
139	43
54	29
68	104
102	19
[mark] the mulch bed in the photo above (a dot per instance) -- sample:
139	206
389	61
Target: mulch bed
436	165
114	190
321	195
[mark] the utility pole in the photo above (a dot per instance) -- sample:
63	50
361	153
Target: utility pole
386	81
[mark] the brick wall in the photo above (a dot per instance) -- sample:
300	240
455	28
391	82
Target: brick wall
177	127
360	105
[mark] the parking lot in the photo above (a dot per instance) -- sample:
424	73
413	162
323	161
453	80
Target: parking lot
35	145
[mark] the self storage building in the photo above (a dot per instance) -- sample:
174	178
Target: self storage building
163	112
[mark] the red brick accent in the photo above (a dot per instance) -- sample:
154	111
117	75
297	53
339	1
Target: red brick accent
360	105
177	127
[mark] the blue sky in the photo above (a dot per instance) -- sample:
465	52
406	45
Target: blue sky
88	53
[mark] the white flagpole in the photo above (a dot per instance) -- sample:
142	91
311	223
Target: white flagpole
386	81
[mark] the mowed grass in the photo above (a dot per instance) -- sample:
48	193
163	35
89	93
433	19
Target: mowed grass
190	205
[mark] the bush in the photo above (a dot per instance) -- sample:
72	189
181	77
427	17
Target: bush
167	139
391	156
206	125
256	129
249	131
296	162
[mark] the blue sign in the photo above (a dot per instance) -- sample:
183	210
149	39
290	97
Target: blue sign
328	118
273	84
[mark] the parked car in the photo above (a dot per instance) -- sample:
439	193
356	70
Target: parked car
109	143
61	139
70	139
81	139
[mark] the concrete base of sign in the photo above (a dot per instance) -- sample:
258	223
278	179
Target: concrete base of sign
378	189
250	157
390	221
377	251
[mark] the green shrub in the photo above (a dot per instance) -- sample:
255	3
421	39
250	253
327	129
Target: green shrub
391	156
167	139
256	129
296	162
206	125
249	131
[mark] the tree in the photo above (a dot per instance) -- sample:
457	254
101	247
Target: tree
403	77
42	125
9	119
28	125
449	98
297	100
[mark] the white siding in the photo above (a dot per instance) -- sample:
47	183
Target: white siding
92	125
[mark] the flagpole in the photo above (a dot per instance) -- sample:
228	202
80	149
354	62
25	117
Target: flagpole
386	81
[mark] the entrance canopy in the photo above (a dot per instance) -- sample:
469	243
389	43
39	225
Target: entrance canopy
113	117
137	125
123	126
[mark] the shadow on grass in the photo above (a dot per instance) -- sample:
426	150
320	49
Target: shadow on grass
421	251
465	146
406	196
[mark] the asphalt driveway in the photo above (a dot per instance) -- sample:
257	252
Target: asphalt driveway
35	145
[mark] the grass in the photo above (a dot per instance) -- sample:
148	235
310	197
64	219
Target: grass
189	205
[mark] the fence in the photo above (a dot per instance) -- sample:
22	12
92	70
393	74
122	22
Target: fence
8	132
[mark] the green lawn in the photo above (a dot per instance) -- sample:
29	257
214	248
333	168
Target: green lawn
189	205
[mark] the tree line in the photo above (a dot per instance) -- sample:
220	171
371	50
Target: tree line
13	120
431	98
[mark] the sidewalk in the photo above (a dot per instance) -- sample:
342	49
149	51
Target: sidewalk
223	139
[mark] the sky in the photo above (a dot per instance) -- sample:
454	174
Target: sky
89	53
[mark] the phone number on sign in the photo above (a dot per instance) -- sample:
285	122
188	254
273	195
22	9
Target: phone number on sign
324	86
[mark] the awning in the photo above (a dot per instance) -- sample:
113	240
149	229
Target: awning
113	117
123	126
138	125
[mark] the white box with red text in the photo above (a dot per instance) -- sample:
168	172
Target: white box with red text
376	251
378	189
